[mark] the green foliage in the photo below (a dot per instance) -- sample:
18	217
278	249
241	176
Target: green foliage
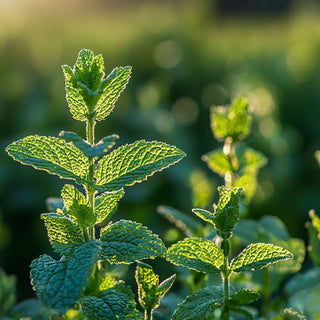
7	293
79	278
314	236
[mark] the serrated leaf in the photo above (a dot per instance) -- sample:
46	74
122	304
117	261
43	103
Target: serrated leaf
197	254
204	215
218	162
82	213
52	155
250	160
106	205
70	193
257	256
226	212
98	150
133	163
199	305
114	303
113	85
128	241
187	224
61	229
59	284
244	297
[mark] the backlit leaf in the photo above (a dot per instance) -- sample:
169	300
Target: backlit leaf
218	162
133	163
197	254
70	193
257	256
52	155
128	241
204	215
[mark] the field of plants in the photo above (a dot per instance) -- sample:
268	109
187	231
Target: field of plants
234	100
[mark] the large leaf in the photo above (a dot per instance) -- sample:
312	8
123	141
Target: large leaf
114	303
128	241
133	163
197	254
199	305
257	256
113	85
59	284
52	155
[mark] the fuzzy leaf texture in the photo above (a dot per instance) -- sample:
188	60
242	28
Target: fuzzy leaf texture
128	241
259	255
197	254
199	305
231	121
218	162
204	215
98	150
133	163
59	284
52	155
70	194
226	212
106	204
114	303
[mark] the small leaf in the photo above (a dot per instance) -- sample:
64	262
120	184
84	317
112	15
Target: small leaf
197	254
165	285
70	193
106	205
128	241
204	215
98	150
244	297
59	284
113	85
250	160
114	303
185	223
199	305
317	156
218	162
52	155
133	163
257	256
83	214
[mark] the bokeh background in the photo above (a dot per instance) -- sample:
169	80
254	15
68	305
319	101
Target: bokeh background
187	56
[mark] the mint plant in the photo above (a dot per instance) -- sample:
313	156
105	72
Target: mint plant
80	228
206	256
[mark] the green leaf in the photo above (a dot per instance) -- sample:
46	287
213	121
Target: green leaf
314	238
231	121
200	304
113	85
187	224
317	156
204	215
250	160
7	292
128	241
226	212
114	303
106	205
98	150
149	290
244	297
218	162
133	163
257	256
61	229
70	193
290	314
197	254
52	155
59	284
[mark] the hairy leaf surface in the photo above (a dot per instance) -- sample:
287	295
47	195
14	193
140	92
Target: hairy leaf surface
133	163
204	215
52	155
59	284
218	162
70	193
257	256
197	254
128	241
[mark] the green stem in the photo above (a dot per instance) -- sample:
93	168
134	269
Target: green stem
228	150
148	315
267	293
226	280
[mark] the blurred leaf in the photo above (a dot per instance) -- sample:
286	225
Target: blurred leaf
7	292
218	162
314	238
290	314
244	297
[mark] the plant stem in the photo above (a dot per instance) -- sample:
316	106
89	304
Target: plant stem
266	294
226	277
148	314
228	151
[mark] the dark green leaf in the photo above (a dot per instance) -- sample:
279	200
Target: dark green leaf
244	297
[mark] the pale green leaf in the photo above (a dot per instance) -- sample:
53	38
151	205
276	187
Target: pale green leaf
191	227
106	205
218	162
199	305
82	214
133	163
257	256
98	150
113	85
114	303
250	160
204	215
165	285
244	297
128	241
70	193
197	254
52	155
59	284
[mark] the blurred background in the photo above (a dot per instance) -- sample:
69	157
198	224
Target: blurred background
187	56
